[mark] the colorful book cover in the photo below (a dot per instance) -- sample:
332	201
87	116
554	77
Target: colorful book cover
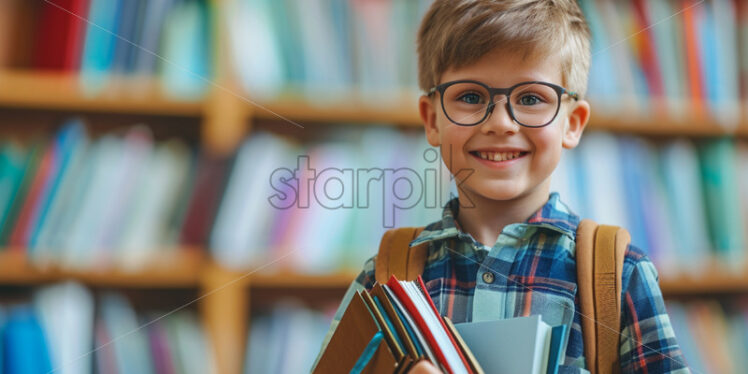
60	35
647	51
13	161
719	175
726	107
252	32
692	24
603	83
679	162
24	343
154	200
31	163
668	42
186	71
66	313
145	56
67	140
210	183
34	197
130	16
100	42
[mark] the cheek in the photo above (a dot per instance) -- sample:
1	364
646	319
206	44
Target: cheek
550	144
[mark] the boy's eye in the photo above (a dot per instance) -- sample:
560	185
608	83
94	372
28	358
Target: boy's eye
471	98
529	100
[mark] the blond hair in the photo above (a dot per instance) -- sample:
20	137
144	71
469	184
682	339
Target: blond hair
456	33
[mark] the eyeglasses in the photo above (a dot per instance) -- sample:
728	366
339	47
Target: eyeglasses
530	104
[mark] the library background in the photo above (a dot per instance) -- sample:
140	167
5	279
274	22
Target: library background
141	142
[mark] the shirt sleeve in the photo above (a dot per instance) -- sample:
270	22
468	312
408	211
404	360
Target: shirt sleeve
647	342
364	281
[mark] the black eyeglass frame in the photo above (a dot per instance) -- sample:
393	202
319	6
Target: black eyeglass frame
492	91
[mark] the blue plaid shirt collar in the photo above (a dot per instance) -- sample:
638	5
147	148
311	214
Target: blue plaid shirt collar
553	215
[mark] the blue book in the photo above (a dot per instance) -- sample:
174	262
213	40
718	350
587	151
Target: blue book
100	42
66	140
708	46
679	163
718	170
145	60
12	165
557	349
526	352
668	56
186	48
127	35
24	345
634	189
603	82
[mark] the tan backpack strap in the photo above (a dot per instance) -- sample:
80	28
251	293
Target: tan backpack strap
396	257
599	254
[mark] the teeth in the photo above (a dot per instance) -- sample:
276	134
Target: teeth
498	156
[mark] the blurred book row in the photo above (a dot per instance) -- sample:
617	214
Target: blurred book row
320	206
169	39
681	58
65	329
712	336
684	202
286	338
672	57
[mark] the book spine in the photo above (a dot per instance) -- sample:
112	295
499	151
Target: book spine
399	291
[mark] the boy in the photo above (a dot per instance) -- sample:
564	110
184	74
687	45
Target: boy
504	82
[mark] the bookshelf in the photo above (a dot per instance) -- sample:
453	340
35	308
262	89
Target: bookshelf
226	118
227	114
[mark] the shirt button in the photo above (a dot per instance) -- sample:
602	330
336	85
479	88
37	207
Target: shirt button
488	277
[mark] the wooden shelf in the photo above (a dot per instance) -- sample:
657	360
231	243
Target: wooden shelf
188	268
353	111
713	282
302	281
55	91
181	270
358	111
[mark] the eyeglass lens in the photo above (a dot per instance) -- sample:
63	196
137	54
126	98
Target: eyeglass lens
532	104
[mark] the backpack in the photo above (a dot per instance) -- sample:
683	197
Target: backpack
599	255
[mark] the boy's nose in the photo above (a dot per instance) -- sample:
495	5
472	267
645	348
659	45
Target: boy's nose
499	120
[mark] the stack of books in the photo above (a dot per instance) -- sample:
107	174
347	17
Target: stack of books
395	325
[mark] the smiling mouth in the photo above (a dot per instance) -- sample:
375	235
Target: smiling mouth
498	156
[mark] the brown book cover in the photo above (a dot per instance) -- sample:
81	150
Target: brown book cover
389	335
354	332
400	329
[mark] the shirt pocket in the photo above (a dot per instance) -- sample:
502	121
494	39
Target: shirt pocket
552	298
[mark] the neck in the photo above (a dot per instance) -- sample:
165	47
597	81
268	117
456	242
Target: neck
487	218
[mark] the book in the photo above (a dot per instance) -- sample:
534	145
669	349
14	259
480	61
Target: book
527	351
66	314
402	315
26	349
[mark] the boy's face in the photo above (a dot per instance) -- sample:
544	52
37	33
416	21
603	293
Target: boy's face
540	148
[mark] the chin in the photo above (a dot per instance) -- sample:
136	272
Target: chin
499	193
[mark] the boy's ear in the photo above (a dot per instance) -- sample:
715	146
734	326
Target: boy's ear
576	122
427	110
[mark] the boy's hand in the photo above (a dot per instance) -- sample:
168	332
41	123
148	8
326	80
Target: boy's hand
424	367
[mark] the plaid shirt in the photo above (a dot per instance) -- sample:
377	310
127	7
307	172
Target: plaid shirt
531	270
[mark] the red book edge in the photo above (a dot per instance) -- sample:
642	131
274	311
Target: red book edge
693	62
398	289
20	235
444	326
74	47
